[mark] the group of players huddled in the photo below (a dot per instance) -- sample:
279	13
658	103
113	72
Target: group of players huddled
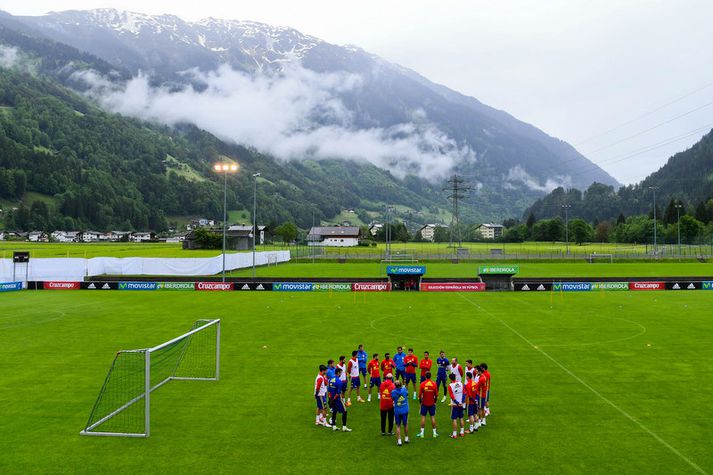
473	395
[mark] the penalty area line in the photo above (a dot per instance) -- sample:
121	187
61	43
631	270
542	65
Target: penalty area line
586	385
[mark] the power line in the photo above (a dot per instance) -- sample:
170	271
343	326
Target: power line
647	148
646	114
651	128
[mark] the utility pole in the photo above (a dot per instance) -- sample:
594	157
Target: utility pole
458	190
678	225
656	249
566	226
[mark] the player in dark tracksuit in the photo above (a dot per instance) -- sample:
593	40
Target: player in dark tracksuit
442	376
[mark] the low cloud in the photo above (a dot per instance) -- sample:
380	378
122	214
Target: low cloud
518	174
292	114
9	56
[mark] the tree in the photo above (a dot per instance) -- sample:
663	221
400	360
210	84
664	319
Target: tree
621	219
602	231
670	216
287	231
580	231
440	234
531	221
691	229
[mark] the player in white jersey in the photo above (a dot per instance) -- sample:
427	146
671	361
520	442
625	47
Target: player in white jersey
343	375
320	394
455	391
456	369
353	370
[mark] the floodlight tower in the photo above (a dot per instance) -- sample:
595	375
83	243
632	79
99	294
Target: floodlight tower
566	226
678	225
225	168
656	249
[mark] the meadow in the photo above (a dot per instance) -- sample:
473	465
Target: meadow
597	382
481	250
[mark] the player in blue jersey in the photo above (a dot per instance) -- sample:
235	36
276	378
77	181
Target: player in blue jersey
400	397
330	369
362	357
442	376
399	362
336	402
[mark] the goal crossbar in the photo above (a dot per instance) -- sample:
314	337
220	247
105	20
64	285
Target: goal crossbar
185	360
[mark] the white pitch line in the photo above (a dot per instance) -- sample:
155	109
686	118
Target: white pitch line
597	393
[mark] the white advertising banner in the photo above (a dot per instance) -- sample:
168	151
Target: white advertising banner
76	269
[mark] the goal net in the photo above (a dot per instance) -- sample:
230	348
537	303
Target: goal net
595	258
123	407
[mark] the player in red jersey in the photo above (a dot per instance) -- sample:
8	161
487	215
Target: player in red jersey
471	392
386	404
482	394
425	365
427	394
411	363
486	373
387	365
375	376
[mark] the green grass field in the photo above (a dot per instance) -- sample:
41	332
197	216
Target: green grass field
582	383
540	250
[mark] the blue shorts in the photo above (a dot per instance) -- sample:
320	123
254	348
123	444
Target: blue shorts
401	419
423	378
362	370
399	374
472	409
374	382
480	401
428	410
441	378
338	406
356	382
410	377
321	402
456	412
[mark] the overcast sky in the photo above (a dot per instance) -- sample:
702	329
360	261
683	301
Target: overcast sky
576	69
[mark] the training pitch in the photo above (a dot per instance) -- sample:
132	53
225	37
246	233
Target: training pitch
615	382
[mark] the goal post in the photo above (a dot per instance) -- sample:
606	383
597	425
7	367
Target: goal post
596	257
123	407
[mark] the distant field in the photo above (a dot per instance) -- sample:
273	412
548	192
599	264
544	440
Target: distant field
527	250
565	269
589	383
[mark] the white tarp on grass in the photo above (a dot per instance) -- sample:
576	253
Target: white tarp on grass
76	269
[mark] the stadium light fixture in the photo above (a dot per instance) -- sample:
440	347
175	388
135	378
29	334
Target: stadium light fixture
255	176
225	169
566	226
678	225
656	248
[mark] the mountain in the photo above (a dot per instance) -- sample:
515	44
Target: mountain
687	177
66	163
509	162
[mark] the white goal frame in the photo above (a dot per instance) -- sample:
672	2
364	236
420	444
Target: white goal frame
148	389
595	255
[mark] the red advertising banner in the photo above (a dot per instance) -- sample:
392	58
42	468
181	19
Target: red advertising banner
54	285
214	286
452	286
647	286
371	286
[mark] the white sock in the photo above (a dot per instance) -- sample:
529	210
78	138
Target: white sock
461	430
406	439
399	441
421	432
434	432
455	433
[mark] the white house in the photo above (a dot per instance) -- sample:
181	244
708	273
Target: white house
140	237
490	231
118	235
333	236
65	236
428	232
37	236
90	236
375	228
2	235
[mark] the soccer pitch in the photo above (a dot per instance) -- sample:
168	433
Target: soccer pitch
597	382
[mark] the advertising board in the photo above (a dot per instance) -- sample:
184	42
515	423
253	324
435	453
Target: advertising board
10	286
56	285
176	286
371	286
292	286
498	269
647	286
98	285
533	286
138	285
452	286
572	286
332	287
683	285
214	286
405	270
258	286
610	286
